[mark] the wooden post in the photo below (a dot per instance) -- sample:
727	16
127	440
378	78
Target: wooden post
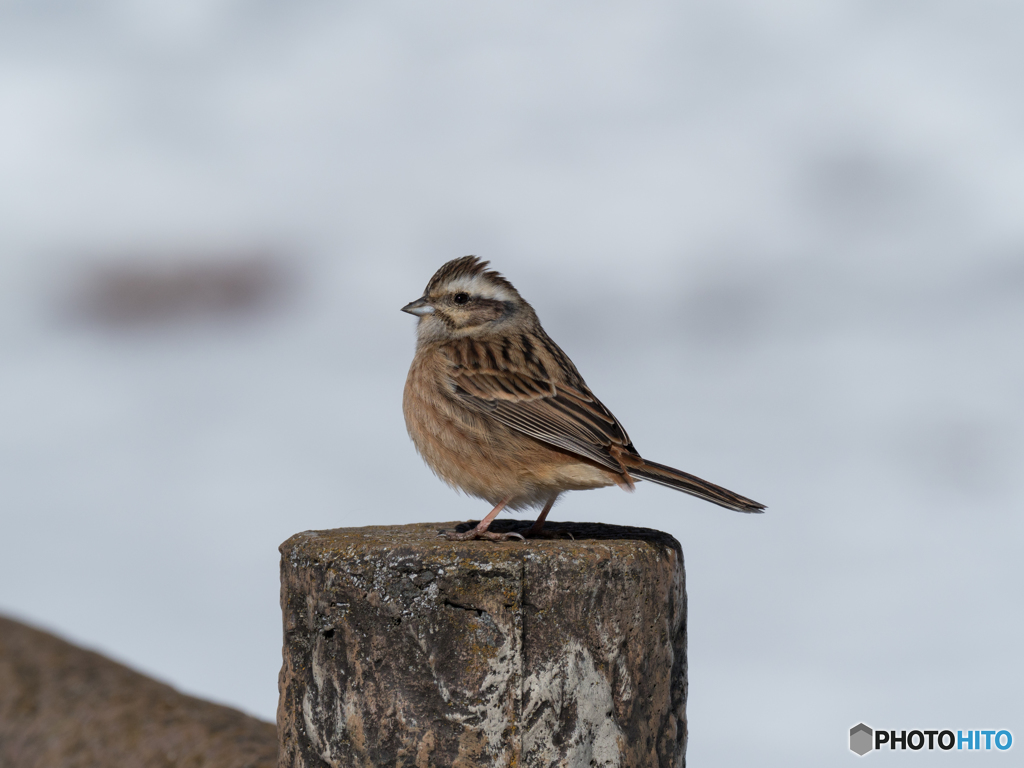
405	649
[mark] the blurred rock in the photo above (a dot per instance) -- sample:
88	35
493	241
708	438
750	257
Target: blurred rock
65	707
402	648
148	293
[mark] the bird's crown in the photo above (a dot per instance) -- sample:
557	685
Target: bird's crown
470	273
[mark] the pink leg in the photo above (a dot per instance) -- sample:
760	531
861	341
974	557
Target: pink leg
481	532
538	526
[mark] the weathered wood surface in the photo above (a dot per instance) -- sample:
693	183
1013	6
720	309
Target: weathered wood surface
403	649
65	707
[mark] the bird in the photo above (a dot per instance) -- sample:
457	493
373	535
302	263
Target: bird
497	410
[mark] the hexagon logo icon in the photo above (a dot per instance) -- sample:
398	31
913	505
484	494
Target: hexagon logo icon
861	738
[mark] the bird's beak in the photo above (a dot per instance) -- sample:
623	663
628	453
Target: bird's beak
419	307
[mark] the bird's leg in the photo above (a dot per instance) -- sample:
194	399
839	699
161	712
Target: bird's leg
481	532
537	529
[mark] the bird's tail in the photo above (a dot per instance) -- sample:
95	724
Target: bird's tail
681	481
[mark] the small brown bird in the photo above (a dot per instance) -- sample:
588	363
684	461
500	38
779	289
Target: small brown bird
497	410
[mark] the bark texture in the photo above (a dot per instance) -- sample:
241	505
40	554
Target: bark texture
402	649
65	707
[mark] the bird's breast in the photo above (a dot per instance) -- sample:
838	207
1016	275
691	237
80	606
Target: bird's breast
479	455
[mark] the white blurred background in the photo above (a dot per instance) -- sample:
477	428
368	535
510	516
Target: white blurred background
783	241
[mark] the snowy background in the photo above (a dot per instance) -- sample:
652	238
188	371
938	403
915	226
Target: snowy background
783	241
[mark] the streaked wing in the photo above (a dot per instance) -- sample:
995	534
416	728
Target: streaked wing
530	385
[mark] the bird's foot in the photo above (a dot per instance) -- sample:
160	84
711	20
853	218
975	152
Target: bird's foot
476	533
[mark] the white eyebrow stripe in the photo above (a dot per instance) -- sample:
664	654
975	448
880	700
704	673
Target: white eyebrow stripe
477	285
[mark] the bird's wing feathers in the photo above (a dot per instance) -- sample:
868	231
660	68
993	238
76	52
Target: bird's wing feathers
533	387
529	385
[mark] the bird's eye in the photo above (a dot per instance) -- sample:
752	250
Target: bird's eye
460	298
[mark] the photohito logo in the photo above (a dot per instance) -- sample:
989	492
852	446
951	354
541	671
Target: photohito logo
863	739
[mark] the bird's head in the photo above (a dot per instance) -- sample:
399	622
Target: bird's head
464	298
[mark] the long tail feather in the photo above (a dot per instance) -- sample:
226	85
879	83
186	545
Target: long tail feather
681	481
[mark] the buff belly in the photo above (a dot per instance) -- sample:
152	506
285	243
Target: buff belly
483	457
